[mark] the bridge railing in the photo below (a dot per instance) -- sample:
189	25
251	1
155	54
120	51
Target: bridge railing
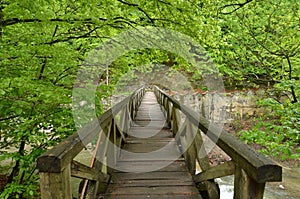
57	165
251	170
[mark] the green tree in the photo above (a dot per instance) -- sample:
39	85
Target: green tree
42	45
262	38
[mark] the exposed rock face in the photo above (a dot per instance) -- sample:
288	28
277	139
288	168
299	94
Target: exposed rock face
223	107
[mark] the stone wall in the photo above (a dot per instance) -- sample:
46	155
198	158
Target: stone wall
225	106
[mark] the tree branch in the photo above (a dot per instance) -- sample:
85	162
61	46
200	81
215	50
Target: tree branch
290	77
13	21
72	37
237	5
139	8
129	4
259	42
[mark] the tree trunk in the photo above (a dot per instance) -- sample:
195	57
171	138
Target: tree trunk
1	19
290	78
16	168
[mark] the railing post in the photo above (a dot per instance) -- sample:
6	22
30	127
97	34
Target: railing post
56	185
191	153
246	187
175	120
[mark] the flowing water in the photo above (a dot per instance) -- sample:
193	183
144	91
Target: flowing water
289	188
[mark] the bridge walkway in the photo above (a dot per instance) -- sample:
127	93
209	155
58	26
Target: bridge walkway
151	166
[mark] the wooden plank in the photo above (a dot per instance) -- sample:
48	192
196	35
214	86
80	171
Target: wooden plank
150	124
151	183
159	175
167	154
140	166
218	171
155	140
149	134
56	185
158	152
60	156
175	121
155	190
191	152
144	147
246	187
178	196
82	171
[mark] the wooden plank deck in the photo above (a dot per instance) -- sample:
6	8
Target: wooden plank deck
150	165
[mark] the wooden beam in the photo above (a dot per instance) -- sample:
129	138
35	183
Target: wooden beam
181	131
211	186
175	121
82	171
218	171
246	187
56	185
191	152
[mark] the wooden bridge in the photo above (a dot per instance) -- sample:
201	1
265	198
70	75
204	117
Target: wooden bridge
148	146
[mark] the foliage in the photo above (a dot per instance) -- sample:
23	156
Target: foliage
25	190
42	43
268	36
277	132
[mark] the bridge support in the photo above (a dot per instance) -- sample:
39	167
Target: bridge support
60	182
246	187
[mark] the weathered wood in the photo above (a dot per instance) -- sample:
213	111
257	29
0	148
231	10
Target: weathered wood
82	171
218	171
140	166
54	165
56	185
191	153
93	186
60	156
88	193
256	165
203	161
175	120
151	183
155	166
178	196
181	131
154	190
246	187
155	175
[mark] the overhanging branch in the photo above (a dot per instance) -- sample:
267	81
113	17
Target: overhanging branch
9	22
236	7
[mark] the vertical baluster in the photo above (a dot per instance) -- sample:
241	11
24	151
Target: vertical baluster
246	187
175	120
100	159
203	161
191	150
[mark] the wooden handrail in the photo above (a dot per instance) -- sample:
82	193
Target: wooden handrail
56	165
251	169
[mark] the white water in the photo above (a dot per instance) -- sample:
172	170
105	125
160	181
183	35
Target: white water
271	192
